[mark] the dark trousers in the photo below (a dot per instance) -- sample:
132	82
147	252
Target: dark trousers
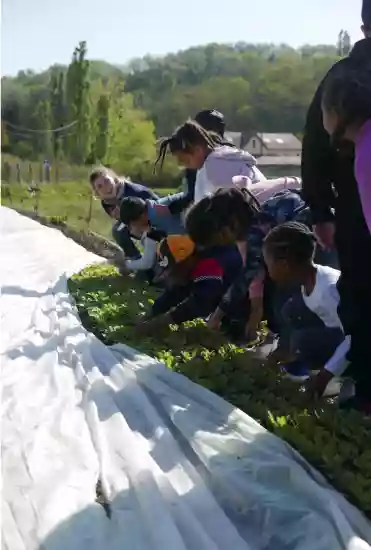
353	243
304	334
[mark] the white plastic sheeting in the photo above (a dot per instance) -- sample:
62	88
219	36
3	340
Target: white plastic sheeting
182	469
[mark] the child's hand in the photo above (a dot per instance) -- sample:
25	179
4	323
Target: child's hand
317	385
251	335
325	232
215	320
153	325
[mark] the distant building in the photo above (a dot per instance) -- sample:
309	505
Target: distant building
276	167
274	145
235	138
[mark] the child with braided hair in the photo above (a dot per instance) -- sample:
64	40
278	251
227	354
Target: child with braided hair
312	335
215	160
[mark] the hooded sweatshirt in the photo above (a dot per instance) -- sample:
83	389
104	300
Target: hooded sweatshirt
219	168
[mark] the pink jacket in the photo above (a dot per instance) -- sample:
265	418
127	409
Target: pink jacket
221	166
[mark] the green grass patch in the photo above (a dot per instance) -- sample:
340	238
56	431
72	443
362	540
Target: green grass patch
68	201
337	443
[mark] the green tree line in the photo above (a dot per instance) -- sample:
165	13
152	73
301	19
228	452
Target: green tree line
93	112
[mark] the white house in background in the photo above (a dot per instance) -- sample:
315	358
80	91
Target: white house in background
274	145
234	137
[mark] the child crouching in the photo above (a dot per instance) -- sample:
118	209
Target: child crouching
311	335
197	277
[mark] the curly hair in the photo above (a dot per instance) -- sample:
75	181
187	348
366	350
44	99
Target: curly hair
231	208
291	241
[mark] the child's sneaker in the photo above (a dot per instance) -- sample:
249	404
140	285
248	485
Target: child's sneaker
296	371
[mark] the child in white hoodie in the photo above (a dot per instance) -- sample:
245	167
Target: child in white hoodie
215	160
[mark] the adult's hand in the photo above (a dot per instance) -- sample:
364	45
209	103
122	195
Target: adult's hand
325	232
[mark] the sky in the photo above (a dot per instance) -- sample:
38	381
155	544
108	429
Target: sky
38	33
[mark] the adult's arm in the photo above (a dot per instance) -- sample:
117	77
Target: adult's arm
184	200
139	190
172	205
317	167
180	203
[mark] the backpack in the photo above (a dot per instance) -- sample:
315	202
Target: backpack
285	206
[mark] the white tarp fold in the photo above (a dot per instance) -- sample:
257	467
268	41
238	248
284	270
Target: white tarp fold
181	468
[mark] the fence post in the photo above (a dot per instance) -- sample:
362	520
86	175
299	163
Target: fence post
37	200
7	193
47	168
57	172
30	174
90	211
18	170
7	172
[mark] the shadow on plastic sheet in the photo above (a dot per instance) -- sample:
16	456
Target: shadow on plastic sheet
260	493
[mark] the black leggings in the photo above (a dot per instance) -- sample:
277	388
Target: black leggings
354	286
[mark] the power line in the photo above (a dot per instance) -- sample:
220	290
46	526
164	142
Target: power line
54	130
28	136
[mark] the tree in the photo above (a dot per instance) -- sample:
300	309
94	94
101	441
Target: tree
130	136
102	120
344	43
43	141
259	87
77	95
347	43
58	110
4	138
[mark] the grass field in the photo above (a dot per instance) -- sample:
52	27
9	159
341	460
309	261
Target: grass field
69	201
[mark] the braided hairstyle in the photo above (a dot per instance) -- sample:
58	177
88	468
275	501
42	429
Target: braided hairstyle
232	209
291	241
348	94
185	138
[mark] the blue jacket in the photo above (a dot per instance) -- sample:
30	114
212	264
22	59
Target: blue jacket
130	189
171	224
